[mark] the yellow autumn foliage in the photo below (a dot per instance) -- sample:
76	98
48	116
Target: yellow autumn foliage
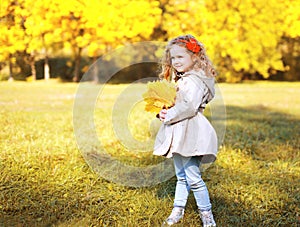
241	37
160	94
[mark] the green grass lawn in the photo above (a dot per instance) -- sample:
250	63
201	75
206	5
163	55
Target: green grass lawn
45	180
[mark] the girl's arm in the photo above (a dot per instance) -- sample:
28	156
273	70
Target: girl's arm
192	91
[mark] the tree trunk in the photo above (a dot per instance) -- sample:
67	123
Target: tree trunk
290	51
46	63
46	67
32	65
10	69
77	66
95	74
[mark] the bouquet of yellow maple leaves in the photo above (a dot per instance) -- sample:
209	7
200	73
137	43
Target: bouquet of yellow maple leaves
160	94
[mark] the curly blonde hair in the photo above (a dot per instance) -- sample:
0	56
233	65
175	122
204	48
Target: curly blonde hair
202	60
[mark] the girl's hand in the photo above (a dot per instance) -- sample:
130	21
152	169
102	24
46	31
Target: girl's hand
162	114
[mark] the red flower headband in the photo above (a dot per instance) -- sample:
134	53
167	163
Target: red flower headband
191	44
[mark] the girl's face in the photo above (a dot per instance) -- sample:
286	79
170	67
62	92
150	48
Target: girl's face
181	60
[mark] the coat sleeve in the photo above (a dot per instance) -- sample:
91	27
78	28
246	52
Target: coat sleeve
191	91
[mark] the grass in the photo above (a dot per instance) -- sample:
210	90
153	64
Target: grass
45	180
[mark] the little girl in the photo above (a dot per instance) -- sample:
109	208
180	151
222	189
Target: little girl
186	135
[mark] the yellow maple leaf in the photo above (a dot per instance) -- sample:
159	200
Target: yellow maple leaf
159	94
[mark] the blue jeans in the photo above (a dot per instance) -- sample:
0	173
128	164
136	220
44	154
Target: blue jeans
189	178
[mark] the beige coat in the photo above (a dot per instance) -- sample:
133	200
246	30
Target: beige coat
186	130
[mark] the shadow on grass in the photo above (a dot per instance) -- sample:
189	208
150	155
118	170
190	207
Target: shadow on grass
265	134
255	181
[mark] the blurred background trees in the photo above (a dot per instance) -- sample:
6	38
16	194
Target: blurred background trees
246	39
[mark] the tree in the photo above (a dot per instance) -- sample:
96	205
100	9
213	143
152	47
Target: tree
241	36
290	42
98	26
12	32
42	31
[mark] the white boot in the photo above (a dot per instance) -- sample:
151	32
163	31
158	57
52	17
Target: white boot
175	216
207	218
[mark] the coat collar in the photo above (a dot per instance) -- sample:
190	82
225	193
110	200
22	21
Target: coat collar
209	81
